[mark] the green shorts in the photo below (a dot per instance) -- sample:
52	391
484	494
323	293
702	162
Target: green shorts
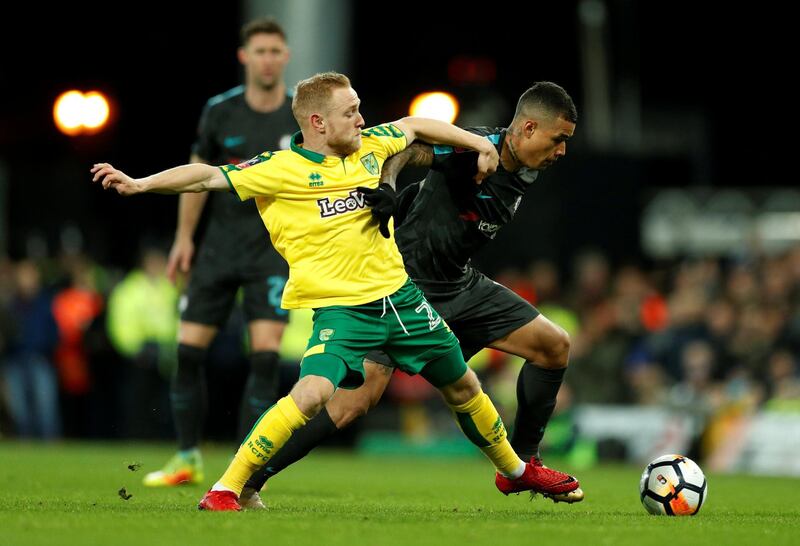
404	325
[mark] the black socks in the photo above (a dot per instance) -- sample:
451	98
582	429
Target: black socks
536	397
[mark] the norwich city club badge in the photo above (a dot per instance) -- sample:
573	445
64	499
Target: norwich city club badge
326	334
371	164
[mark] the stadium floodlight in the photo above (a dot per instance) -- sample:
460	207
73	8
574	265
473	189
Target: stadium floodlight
435	104
95	113
67	112
78	113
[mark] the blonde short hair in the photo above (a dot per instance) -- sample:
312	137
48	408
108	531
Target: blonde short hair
312	94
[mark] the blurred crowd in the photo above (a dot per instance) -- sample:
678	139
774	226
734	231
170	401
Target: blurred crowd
700	333
715	339
86	351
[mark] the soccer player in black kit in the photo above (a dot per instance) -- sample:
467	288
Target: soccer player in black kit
443	221
234	126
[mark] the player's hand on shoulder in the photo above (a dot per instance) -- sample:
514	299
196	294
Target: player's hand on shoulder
488	158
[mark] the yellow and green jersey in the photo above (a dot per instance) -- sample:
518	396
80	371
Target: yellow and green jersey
320	224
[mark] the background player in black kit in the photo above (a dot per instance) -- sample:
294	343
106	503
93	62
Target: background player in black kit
234	253
443	221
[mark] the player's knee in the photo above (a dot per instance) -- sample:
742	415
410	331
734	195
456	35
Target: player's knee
311	394
309	403
343	410
463	390
556	355
197	335
353	412
266	345
266	336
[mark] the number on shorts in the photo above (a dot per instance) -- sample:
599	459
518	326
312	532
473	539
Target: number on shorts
433	321
276	284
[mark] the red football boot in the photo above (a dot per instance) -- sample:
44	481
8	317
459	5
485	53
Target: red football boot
537	478
220	501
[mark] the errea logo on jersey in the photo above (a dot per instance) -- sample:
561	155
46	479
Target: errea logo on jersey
315	180
329	208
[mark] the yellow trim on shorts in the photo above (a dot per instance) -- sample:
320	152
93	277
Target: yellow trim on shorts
315	350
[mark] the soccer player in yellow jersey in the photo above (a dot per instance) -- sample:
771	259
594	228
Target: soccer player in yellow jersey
340	265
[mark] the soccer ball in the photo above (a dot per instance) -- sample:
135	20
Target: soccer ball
673	485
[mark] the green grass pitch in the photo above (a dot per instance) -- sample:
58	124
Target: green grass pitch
68	494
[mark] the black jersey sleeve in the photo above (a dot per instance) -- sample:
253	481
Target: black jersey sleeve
446	158
459	162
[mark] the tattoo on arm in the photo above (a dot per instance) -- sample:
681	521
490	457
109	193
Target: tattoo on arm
416	155
421	154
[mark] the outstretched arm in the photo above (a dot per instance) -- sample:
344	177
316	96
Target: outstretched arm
439	132
186	178
418	154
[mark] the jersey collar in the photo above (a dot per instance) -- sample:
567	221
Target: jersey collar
297	139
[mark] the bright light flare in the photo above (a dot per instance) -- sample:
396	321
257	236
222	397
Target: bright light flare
435	104
78	113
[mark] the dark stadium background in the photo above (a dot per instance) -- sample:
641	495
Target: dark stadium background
160	63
